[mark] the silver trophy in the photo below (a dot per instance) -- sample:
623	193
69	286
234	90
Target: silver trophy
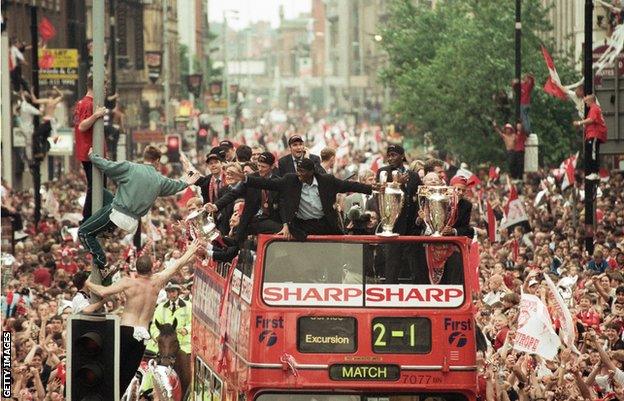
439	204
204	225
390	204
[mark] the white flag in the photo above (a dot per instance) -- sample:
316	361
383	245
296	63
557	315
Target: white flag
562	313
535	333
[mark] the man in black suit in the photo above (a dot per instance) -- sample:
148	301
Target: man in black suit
212	185
260	214
453	267
461	227
298	151
307	199
398	255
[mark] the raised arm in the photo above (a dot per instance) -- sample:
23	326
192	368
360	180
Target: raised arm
112	289
600	289
230	196
166	274
352	186
87	123
110	168
274	184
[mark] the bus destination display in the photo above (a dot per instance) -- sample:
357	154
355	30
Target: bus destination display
401	335
367	372
327	334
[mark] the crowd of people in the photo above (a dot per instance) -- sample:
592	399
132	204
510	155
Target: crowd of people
242	181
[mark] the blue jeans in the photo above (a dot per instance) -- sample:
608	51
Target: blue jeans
524	116
98	223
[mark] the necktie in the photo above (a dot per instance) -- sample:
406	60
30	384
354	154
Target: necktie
173	307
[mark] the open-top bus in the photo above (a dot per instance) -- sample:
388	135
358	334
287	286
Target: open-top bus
316	320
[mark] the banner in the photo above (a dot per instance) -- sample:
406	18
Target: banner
535	333
562	313
356	295
58	66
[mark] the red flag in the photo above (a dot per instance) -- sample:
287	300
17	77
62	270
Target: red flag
376	164
491	220
604	174
568	166
46	29
188	194
513	195
494	173
553	83
471	179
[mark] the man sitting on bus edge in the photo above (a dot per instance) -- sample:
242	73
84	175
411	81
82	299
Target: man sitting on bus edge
307	199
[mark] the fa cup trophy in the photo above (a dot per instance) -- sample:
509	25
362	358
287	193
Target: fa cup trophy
390	203
439	203
205	226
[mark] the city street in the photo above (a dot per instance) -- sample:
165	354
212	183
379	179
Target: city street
312	200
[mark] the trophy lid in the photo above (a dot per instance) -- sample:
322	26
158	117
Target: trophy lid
194	214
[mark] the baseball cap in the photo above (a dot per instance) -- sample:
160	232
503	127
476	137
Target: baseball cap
532	282
305	164
508	126
226	144
396	149
216	153
266	158
294	138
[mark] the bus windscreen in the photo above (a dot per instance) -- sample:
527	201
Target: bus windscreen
414	396
350	274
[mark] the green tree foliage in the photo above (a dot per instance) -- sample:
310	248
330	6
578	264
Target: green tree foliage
447	65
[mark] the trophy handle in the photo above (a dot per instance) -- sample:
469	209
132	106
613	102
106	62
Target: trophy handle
453	206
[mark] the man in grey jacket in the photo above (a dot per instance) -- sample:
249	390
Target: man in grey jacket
138	186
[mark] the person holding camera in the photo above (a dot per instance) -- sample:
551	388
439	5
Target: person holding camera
360	221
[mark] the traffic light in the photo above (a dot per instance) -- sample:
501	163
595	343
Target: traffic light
93	358
173	148
202	138
226	125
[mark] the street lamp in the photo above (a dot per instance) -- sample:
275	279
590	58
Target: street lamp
378	37
233	15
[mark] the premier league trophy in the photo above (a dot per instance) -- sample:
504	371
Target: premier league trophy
390	204
439	203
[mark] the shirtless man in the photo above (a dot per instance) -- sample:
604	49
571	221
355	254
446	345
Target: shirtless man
508	135
43	131
141	293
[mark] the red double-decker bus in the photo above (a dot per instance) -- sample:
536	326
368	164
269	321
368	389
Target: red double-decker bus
320	321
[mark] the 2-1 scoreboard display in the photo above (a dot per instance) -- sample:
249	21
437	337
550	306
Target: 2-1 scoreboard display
401	335
390	335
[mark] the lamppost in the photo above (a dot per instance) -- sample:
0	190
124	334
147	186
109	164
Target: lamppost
233	15
590	185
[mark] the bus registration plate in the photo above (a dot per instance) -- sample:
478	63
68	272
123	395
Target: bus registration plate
365	372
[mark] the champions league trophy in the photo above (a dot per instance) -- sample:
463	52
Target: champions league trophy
390	203
439	203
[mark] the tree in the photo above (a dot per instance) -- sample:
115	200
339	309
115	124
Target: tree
448	65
